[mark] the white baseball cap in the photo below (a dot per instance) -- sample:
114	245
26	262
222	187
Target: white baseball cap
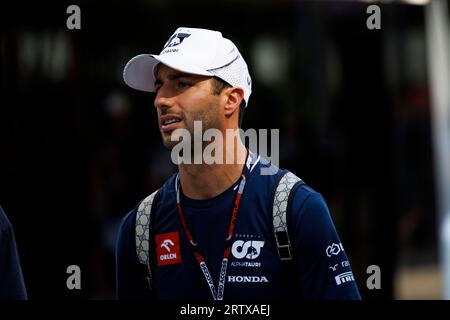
195	51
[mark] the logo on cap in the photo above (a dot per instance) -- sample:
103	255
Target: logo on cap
168	248
176	39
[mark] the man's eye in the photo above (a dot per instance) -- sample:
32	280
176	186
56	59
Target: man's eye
183	85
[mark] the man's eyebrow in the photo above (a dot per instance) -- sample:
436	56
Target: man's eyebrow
180	75
174	76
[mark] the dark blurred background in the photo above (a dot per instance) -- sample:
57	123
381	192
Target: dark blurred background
79	149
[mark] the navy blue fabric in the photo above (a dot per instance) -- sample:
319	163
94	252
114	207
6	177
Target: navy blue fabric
256	276
11	279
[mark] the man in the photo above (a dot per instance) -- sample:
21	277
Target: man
12	286
207	233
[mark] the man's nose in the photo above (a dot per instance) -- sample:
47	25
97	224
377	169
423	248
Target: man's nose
163	100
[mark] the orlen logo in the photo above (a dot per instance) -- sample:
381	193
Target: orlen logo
167	244
250	249
168	248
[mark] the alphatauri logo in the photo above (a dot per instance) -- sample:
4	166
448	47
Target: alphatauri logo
168	248
247	279
247	249
176	39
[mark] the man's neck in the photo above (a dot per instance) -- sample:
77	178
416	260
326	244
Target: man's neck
205	181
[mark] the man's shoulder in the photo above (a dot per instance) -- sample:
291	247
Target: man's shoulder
5	225
265	170
309	206
305	193
302	196
169	186
129	220
166	189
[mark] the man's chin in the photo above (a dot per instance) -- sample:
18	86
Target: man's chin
168	144
171	139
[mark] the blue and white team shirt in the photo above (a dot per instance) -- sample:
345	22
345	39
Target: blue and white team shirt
12	286
320	268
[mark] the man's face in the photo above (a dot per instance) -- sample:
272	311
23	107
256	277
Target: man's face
183	98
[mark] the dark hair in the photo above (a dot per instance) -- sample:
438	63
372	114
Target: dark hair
220	85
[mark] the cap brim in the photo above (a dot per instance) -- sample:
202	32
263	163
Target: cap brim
139	72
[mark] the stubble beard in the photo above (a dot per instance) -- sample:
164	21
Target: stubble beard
208	120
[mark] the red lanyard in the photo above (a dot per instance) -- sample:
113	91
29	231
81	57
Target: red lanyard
217	295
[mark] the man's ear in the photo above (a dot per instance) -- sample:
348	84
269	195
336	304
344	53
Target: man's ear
234	96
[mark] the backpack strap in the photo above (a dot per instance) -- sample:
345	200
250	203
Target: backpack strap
142	233
280	207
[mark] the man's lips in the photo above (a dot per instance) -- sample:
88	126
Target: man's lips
169	122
